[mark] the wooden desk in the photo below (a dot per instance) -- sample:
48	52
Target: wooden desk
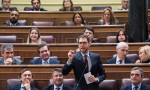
62	34
42	73
105	50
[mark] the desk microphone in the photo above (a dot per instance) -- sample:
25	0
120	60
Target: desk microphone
81	75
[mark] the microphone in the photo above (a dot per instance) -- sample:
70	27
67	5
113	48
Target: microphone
81	75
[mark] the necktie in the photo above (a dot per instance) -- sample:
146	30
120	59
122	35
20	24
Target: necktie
136	87
86	63
57	88
120	61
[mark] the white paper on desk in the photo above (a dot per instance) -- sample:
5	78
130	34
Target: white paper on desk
86	77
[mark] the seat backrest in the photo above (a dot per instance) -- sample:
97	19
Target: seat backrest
29	8
78	8
130	56
8	39
11	8
54	57
22	22
111	39
108	85
126	81
69	23
41	23
17	57
48	39
68	82
96	8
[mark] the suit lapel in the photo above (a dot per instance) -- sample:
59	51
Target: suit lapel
18	87
2	61
92	60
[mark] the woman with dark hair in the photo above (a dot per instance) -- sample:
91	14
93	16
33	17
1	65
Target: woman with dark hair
34	36
121	36
108	17
78	19
67	6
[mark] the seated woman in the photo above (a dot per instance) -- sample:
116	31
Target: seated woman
108	18
78	19
121	36
144	54
34	36
67	6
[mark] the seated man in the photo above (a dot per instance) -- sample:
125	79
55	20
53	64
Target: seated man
57	78
136	76
6	5
125	5
122	51
36	5
26	78
7	52
13	19
44	52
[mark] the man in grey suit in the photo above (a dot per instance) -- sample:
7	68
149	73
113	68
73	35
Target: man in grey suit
122	51
7	52
44	53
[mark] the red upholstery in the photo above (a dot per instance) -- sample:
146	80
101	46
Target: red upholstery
130	56
111	39
40	23
78	8
8	39
96	8
108	85
126	81
69	23
68	82
47	39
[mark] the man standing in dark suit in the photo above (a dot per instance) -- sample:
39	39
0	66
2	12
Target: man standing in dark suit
44	53
122	51
26	78
36	5
136	76
57	78
84	62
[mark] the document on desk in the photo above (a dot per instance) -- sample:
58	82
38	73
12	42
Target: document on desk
86	77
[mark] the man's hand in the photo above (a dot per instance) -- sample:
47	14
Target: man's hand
8	61
137	62
70	56
91	78
27	84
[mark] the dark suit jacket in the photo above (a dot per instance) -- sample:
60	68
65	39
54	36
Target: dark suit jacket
113	61
17	24
10	9
78	66
17	87
39	61
129	87
52	87
15	61
41	9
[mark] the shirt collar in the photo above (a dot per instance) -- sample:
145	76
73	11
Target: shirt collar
86	54
133	86
4	9
61	87
123	61
46	61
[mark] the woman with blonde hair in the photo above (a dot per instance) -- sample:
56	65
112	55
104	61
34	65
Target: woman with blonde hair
108	17
34	36
144	54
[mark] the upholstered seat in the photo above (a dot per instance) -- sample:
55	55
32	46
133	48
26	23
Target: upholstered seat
29	8
69	23
78	8
54	57
126	81
96	8
11	8
48	39
8	39
42	23
68	82
22	22
130	56
108	85
111	39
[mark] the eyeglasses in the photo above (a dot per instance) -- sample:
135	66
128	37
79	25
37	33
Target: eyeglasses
137	75
83	43
123	50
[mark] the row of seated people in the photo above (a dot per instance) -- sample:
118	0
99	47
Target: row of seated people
67	5
77	20
57	82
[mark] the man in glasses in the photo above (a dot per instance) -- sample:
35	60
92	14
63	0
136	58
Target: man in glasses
125	5
122	51
136	77
87	66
